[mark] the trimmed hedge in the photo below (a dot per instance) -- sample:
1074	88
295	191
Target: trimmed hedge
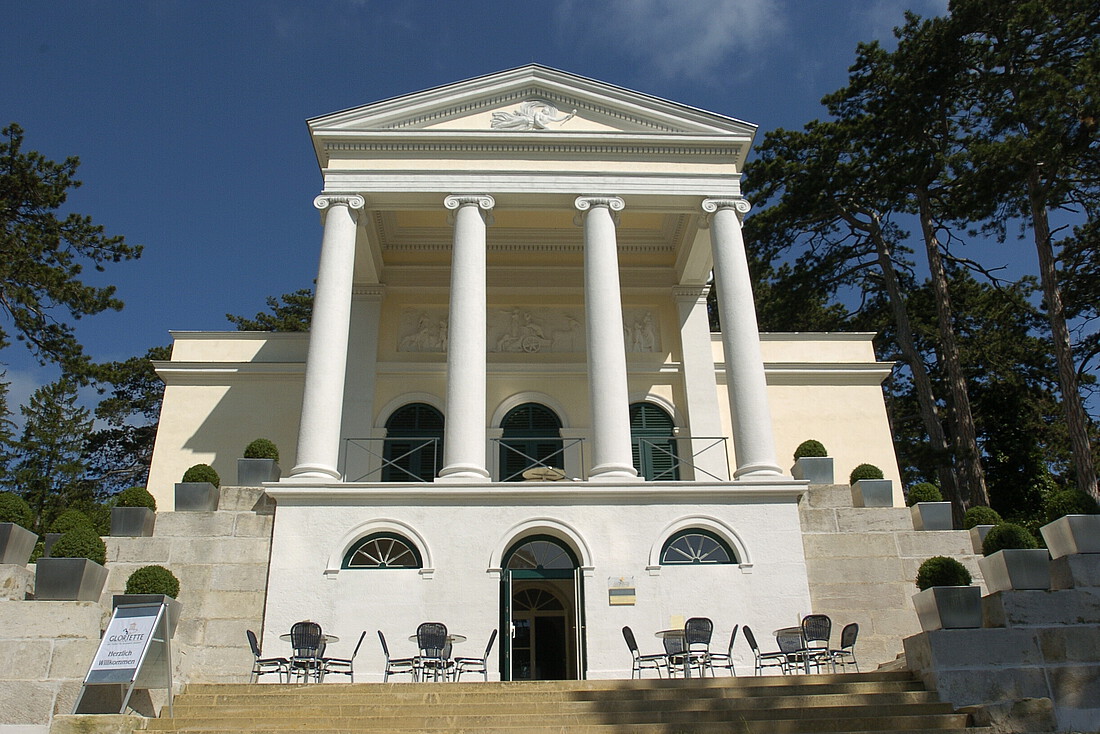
80	542
153	580
810	448
70	519
1008	535
136	497
980	515
1069	502
923	492
202	473
942	571
14	508
262	448
864	471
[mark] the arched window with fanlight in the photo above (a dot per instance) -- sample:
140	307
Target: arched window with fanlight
654	443
696	546
531	437
413	449
383	550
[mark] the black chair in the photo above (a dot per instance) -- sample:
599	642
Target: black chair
675	656
342	666
724	659
308	644
395	666
765	659
846	654
697	634
475	665
642	662
793	646
432	662
816	629
264	666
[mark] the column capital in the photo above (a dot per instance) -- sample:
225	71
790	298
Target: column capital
351	201
482	201
689	293
614	203
711	206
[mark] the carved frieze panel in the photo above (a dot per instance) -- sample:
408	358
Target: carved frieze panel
422	330
641	332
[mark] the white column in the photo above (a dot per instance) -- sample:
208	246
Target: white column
326	361
603	314
753	440
700	386
464	438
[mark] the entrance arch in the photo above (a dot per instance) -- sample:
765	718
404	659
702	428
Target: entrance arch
542	611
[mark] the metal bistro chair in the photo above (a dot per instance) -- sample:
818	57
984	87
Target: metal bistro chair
816	629
264	666
724	659
309	648
395	666
675	656
846	654
432	662
475	665
342	666
697	634
765	659
642	662
793	647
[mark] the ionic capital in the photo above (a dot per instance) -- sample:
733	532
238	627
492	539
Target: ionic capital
351	201
483	202
710	206
614	204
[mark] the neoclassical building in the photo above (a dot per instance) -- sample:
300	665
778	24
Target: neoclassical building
510	412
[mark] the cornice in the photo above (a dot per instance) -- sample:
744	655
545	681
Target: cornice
221	373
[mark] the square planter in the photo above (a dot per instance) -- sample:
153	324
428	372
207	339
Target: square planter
254	472
1072	534
873	493
197	497
132	522
174	607
949	607
16	543
1016	568
814	469
932	516
69	579
977	536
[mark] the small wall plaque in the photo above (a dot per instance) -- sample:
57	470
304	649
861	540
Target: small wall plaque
621	591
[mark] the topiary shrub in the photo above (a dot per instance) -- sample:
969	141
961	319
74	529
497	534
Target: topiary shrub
1008	535
14	508
980	515
100	515
70	519
923	492
80	542
153	580
942	571
1069	502
809	448
136	497
864	471
262	448
202	473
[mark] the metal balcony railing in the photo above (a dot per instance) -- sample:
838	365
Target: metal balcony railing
411	459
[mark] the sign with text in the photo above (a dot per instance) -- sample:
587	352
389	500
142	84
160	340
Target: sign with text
124	644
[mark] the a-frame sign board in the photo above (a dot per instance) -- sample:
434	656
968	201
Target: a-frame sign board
135	653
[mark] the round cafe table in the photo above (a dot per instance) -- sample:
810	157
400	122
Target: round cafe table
450	638
325	637
675	634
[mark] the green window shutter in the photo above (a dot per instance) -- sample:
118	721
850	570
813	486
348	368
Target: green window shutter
530	430
653	442
407	430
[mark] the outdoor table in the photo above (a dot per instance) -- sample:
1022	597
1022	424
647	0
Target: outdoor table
450	638
676	634
802	649
326	637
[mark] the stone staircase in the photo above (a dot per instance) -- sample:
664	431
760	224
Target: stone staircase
856	702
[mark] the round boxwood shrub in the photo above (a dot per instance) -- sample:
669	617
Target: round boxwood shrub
942	571
80	542
1007	535
70	519
262	448
923	492
864	471
14	508
153	580
136	497
980	515
809	448
1069	502
100	515
202	473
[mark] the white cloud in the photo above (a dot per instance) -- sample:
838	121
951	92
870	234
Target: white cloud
880	17
21	385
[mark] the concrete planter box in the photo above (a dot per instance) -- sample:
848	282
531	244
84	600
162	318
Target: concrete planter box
814	469
949	607
69	579
174	607
1016	568
132	522
873	493
254	472
197	497
932	516
977	536
1072	534
16	543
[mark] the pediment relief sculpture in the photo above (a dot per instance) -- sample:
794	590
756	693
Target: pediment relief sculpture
531	115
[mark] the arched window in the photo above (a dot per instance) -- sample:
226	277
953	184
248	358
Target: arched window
413	449
383	550
654	445
696	545
540	553
532	437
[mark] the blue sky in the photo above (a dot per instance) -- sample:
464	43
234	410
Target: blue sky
189	116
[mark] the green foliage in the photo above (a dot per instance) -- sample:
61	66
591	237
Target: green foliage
100	515
14	508
923	492
864	471
1007	535
153	580
810	447
202	473
44	255
80	542
136	497
1069	502
942	571
980	515
262	448
38	552
70	519
292	314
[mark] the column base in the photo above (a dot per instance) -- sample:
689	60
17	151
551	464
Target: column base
759	472
460	473
312	473
614	473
